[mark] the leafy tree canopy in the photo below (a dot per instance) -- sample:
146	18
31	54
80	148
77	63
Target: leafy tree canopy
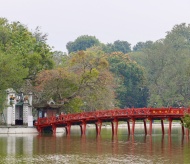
59	58
82	43
117	46
130	79
85	83
141	45
12	74
167	64
17	40
22	55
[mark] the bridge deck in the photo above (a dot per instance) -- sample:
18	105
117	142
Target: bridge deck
113	116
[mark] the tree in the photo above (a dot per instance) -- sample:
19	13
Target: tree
167	64
22	55
12	74
117	46
16	39
131	90
96	82
141	45
85	83
82	43
122	46
58	84
59	58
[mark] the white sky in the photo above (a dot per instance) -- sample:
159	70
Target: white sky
108	20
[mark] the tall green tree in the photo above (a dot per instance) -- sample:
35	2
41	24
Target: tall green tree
82	43
141	45
131	90
167	64
22	55
16	39
12	74
117	46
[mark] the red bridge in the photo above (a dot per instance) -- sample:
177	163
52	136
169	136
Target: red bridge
114	116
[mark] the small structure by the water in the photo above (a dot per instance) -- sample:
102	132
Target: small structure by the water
48	109
18	109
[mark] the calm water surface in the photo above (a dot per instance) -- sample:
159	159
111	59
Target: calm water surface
105	149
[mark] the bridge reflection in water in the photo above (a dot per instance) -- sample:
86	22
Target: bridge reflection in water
129	115
92	148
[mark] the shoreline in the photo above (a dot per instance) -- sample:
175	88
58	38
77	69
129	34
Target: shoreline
32	130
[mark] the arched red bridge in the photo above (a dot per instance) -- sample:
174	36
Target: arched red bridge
114	116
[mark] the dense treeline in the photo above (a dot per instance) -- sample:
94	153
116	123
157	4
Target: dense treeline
22	55
94	75
167	62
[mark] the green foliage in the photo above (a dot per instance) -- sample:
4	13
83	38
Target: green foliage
58	84
74	106
129	76
85	77
12	71
17	40
117	46
22	55
95	80
141	45
82	43
60	58
12	74
2	100
186	121
137	56
167	64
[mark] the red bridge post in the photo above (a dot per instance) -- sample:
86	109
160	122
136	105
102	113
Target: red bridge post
53	128
150	126
182	128
170	126
68	129
128	124
162	125
39	129
145	128
83	128
133	127
114	124
98	127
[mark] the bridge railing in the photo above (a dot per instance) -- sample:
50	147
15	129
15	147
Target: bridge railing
45	120
167	111
103	114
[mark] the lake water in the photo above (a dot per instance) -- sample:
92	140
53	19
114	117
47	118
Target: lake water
74	149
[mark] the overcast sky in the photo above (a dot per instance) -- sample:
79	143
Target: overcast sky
108	20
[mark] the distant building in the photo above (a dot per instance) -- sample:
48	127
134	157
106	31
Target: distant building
47	109
18	109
